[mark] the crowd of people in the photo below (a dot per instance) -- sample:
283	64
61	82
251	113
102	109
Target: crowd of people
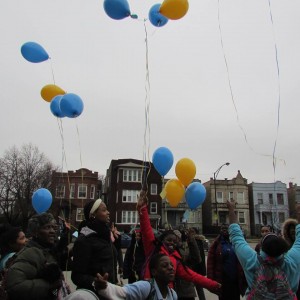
168	266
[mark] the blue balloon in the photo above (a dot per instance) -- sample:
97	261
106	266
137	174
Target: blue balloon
41	200
55	107
155	17
71	105
162	160
195	194
117	9
34	52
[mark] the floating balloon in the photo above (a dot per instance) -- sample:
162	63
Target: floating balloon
49	91
117	9
174	192
185	171
55	107
71	105
162	160
174	9
195	195
34	52
41	200
155	17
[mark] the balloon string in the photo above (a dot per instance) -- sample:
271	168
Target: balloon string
278	89
80	156
146	147
233	99
52	71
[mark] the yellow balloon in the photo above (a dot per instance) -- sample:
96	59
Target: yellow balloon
185	171
49	91
174	192
174	9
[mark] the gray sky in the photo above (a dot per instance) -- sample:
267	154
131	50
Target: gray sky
191	108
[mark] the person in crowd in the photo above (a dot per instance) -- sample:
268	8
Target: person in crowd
162	272
116	239
190	255
289	234
273	249
264	229
223	266
93	251
35	272
134	258
12	240
200	267
166	244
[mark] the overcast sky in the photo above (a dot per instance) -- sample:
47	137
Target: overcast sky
192	111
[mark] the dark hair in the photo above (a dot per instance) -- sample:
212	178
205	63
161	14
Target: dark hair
38	221
154	261
274	245
8	235
87	208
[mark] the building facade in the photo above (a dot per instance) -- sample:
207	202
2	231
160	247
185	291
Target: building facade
268	205
71	191
214	208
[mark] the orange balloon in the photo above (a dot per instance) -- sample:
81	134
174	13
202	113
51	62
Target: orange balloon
185	171
174	9
49	91
174	192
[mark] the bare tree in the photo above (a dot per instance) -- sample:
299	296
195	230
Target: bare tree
22	171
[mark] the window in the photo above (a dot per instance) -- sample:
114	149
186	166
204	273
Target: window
242	217
153	189
281	217
280	199
60	191
92	192
260	199
79	215
271	198
153	208
72	190
230	196
192	217
219	196
82	191
129	217
297	196
240	197
130	196
132	175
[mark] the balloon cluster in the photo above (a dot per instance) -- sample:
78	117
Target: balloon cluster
41	200
182	186
62	104
159	14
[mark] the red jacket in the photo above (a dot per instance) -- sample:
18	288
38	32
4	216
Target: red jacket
181	271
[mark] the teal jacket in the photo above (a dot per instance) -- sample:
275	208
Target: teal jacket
249	261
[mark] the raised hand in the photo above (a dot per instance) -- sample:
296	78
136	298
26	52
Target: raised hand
100	282
142	200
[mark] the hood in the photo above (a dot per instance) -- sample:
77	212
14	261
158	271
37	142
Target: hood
285	228
87	231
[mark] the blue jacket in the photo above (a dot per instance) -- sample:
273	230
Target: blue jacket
249	261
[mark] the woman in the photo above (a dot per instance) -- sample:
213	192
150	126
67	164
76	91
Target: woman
35	273
12	240
264	230
93	251
162	272
167	245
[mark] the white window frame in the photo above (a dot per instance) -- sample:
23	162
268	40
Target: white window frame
260	198
239	199
242	218
130	196
271	198
282	198
132	175
92	191
153	208
220	199
82	185
230	196
153	189
72	190
60	191
129	217
79	214
192	217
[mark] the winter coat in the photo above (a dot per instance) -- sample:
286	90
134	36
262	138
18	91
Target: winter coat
181	271
285	231
24	277
91	255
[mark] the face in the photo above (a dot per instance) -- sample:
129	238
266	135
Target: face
264	230
164	270
102	214
138	236
170	242
224	230
19	243
48	233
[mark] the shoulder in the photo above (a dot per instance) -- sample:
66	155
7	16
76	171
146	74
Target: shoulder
138	290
